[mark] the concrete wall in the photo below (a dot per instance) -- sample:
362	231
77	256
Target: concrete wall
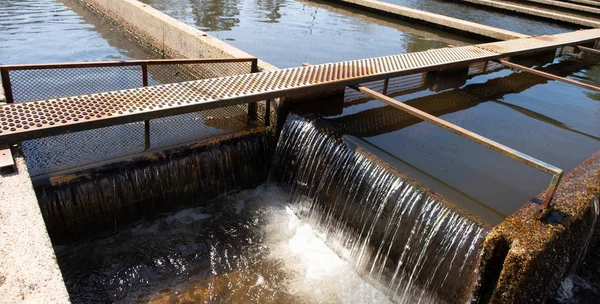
170	36
525	259
440	21
533	11
28	268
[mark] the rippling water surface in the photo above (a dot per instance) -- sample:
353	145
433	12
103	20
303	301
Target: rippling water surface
287	33
504	20
250	248
40	31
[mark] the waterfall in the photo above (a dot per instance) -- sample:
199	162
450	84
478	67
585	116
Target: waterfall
94	203
395	232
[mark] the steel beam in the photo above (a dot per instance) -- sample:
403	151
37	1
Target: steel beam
550	76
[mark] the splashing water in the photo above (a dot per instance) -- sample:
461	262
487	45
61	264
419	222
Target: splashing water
392	231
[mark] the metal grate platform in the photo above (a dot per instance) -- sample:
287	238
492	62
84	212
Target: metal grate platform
50	117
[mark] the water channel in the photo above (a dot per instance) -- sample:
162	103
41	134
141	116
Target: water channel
252	246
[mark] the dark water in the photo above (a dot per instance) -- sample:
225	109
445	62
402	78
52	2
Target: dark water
41	31
249	248
287	33
507	21
552	121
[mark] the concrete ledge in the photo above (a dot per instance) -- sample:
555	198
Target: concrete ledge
538	255
572	6
550	15
171	36
28	268
432	19
584	2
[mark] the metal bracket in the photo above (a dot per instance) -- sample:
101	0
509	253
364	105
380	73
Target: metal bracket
7	162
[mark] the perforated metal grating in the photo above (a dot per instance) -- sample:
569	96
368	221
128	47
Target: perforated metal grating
45	118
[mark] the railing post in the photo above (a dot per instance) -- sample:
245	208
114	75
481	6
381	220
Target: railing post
253	107
386	82
4	72
144	74
146	122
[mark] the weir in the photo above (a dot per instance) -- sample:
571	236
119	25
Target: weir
421	247
405	241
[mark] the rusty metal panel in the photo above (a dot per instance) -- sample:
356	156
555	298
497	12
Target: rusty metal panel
44	118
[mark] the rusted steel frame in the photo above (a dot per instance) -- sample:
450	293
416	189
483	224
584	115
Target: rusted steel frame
146	122
253	106
548	75
386	83
144	74
486	142
7	162
61	128
588	50
6	85
68	65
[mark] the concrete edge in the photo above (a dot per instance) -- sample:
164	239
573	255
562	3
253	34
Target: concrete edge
28	268
432	19
548	15
172	37
541	253
567	5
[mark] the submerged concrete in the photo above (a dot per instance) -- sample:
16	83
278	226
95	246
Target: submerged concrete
433	19
28	268
525	259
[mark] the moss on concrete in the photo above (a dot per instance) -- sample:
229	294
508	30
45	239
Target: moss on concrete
541	253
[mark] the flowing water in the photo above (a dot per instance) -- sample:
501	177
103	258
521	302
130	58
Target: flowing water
249	248
333	226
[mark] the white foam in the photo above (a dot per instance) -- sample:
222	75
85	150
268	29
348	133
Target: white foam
317	273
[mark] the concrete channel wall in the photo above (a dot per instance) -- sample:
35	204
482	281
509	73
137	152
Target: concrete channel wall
170	36
28	268
526	258
533	11
440	21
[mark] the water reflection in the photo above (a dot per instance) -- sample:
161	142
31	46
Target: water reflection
215	15
287	33
271	9
549	120
507	21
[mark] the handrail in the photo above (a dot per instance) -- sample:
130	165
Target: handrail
7	86
92	64
486	142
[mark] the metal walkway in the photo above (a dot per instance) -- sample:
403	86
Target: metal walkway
37	119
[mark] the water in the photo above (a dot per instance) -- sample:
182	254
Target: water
357	233
508	21
287	33
249	248
396	232
542	118
106	199
42	31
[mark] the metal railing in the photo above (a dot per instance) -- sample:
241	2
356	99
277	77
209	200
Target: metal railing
29	82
